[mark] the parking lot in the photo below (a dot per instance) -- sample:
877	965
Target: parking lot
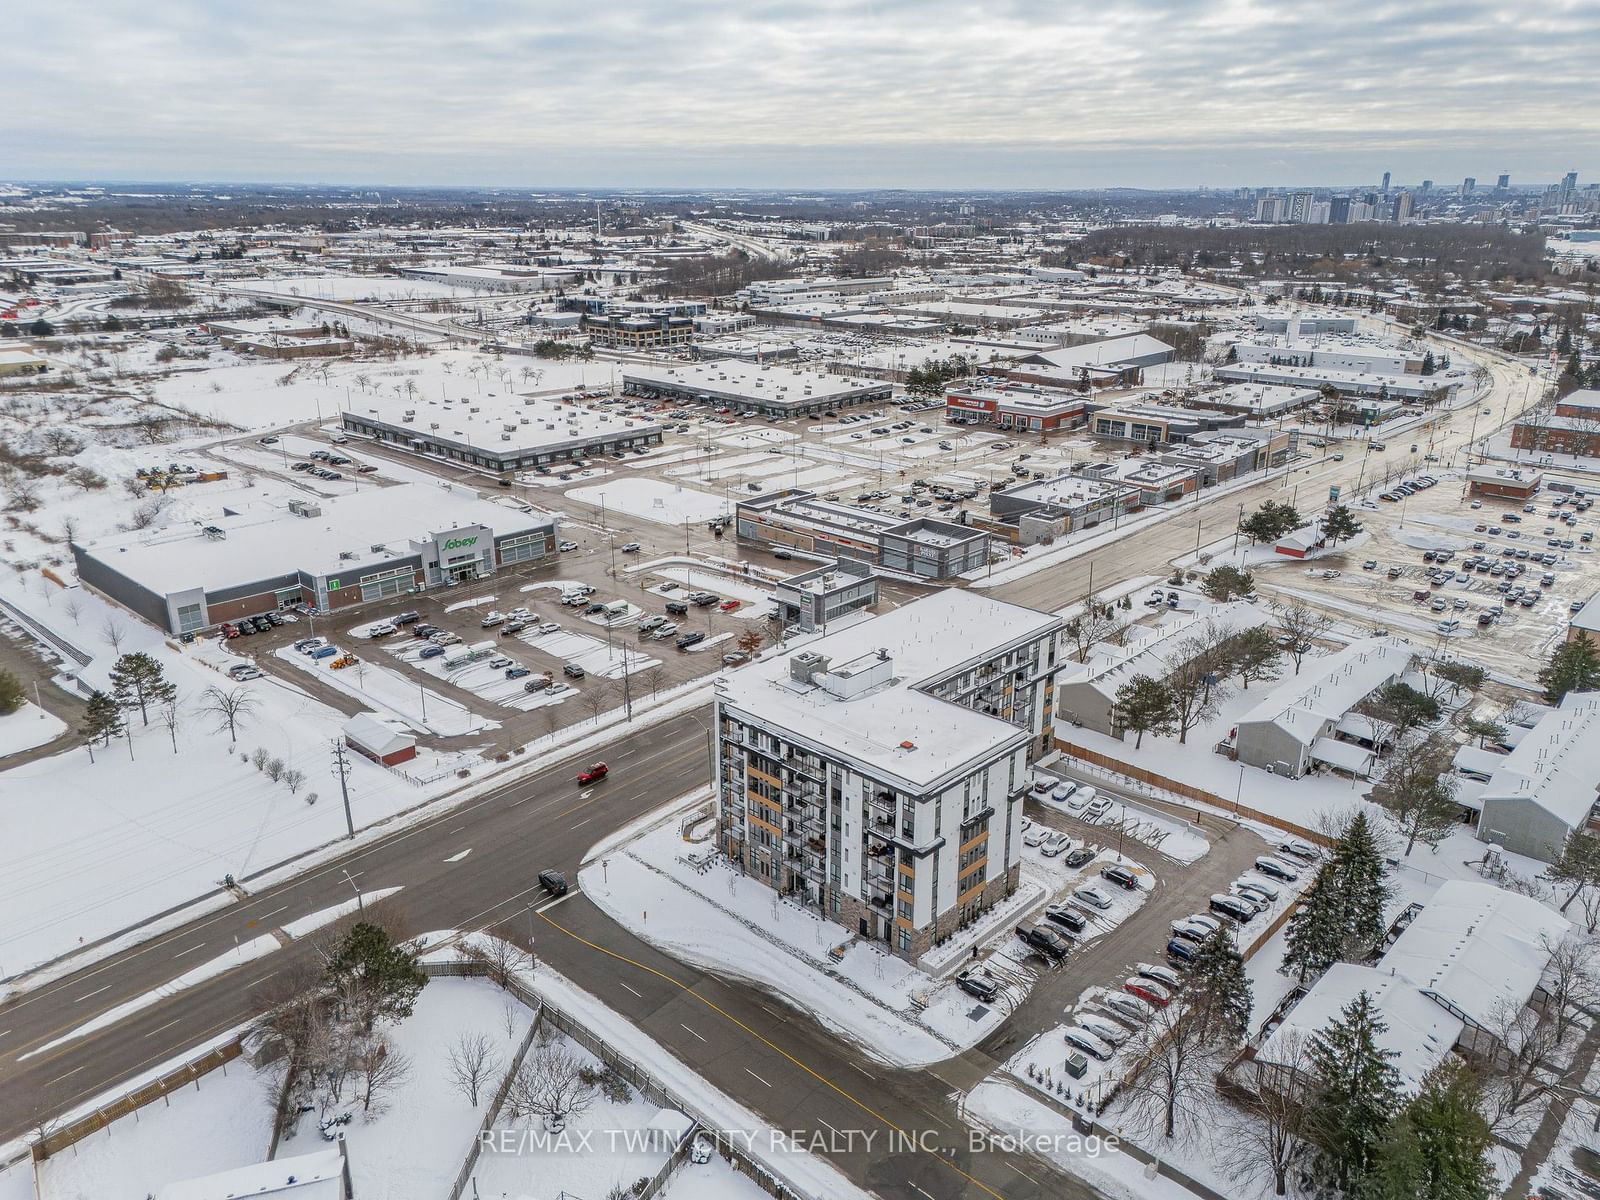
1507	574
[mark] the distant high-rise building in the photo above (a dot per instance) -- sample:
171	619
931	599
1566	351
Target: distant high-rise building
1299	208
1569	183
1468	185
1339	210
1386	183
1427	186
1270	209
1503	183
1400	209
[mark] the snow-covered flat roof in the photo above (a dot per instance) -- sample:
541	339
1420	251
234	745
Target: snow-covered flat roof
497	419
1556	764
926	641
750	381
266	540
1477	948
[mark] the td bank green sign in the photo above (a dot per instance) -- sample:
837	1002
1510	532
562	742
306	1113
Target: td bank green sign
458	543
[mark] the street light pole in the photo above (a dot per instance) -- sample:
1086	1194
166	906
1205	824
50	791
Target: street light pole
341	763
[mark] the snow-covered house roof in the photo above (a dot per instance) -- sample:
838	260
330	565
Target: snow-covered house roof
1419	1031
1154	654
376	735
316	1176
1299	540
1475	949
1556	764
1304	705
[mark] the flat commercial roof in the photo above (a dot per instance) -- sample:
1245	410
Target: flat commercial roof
730	379
501	422
266	540
926	640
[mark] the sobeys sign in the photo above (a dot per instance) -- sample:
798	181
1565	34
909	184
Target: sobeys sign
458	543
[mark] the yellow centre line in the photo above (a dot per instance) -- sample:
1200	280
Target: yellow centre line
729	1017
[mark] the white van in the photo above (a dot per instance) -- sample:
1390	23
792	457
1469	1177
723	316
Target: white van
1449	626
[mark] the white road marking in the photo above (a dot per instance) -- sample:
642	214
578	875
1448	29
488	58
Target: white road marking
583	822
459	857
681	1025
190	950
864	1071
638	994
751	1073
168	1025
74	1071
273	913
92	995
556	901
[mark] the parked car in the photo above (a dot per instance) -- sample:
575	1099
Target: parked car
692	638
1181	950
1152	991
565	546
431	652
1066	916
511	628
243	671
630	547
1055	844
1078	857
1087	1042
572	670
1104	1028
1092	896
1121	876
1044	941
1128	1007
1165	976
1239	909
1197	927
978	984
1276	868
517	672
594	773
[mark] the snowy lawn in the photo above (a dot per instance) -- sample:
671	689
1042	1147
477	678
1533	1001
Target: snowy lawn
28	727
696	909
608	1145
418	1144
714	1180
222	1121
654	500
90	846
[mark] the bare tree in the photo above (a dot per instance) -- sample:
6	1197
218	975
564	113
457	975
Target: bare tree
170	714
380	1071
1196	680
1097	623
1299	626
596	699
496	950
294	779
228	708
550	1084
74	607
652	677
1417	792
1271	1138
1523	1070
1572	980
472	1063
114	632
1170	1088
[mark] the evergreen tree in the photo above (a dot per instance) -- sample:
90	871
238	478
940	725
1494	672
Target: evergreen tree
1428	365
1437	1148
1573	667
1315	932
12	695
1361	884
102	719
138	680
374	978
1227	583
1418	791
1339	525
1358	1094
1218	990
1145	705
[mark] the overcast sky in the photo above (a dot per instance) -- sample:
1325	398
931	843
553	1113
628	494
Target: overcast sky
801	93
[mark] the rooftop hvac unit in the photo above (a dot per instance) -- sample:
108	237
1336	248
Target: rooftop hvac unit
409	417
378	549
472	410
410	412
344	554
305	508
524	421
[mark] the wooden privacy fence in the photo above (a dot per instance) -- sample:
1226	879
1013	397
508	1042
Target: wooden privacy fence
1189	791
190	1072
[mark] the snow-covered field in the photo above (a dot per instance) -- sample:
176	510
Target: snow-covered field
224	1121
28	727
416	1147
91	846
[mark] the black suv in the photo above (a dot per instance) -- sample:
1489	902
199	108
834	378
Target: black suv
981	986
690	639
1120	876
677	608
1044	941
1063	915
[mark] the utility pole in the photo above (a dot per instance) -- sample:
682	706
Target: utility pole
341	764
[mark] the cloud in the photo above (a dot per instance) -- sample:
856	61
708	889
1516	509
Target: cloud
1027	93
